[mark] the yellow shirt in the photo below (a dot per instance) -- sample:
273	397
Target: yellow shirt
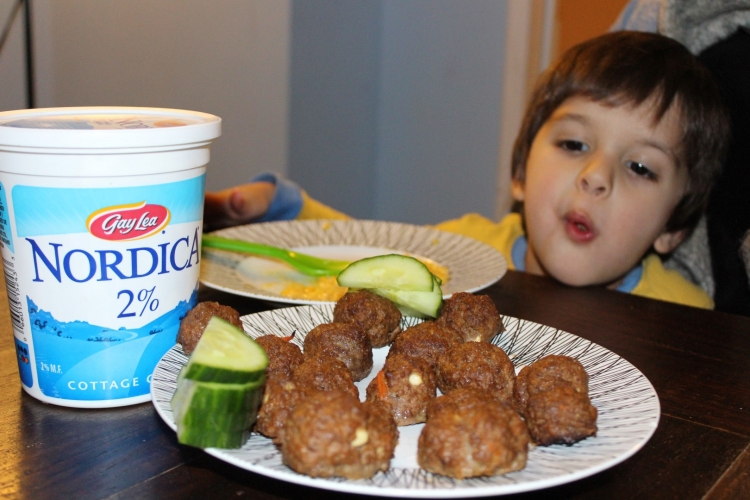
313	209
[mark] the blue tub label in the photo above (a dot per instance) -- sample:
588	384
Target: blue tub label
6	238
24	363
108	274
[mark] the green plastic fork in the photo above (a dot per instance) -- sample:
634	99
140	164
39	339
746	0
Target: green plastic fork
306	264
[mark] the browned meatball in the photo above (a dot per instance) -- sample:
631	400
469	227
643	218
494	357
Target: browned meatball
376	315
279	397
333	434
316	374
470	434
407	385
474	317
283	390
283	355
343	341
560	415
480	365
195	321
427	340
546	373
552	395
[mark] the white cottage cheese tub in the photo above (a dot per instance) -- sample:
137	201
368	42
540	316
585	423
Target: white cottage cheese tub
100	224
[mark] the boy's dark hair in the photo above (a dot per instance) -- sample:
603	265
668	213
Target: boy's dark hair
628	68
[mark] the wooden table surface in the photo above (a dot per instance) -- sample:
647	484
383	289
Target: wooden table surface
698	361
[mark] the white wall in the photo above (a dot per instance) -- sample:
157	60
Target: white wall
439	109
12	60
228	57
335	95
396	106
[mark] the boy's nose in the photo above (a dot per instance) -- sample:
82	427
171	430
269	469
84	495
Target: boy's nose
596	177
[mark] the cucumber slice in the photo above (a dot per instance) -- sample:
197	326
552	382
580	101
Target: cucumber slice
408	311
226	354
210	414
387	271
419	304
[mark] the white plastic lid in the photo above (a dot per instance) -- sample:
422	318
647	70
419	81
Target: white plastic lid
106	128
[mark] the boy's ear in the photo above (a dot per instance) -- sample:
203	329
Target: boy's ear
666	242
517	189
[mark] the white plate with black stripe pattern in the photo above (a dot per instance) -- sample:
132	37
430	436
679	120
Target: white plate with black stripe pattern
626	401
464	264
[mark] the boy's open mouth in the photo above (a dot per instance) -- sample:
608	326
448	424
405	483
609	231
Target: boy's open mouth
579	227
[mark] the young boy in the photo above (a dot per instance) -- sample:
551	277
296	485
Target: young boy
613	166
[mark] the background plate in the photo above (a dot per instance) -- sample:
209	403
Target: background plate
627	403
472	265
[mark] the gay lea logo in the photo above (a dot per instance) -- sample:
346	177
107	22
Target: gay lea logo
128	222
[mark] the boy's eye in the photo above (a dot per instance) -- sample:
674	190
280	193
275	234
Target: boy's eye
641	170
571	145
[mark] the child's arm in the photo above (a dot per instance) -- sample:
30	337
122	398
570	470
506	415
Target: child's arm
265	198
237	205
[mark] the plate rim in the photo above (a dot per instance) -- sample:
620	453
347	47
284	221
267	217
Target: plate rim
340	485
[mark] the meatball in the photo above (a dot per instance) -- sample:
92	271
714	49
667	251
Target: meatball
343	341
552	395
333	434
560	415
480	365
406	385
547	372
470	434
376	315
474	317
195	321
316	374
283	356
427	340
279	397
284	389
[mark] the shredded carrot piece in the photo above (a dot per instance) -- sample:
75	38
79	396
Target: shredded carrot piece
382	387
289	337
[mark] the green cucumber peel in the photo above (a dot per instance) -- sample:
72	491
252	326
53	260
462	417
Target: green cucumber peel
226	354
388	271
414	303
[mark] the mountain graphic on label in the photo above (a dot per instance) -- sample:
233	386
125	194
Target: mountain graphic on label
128	222
44	322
